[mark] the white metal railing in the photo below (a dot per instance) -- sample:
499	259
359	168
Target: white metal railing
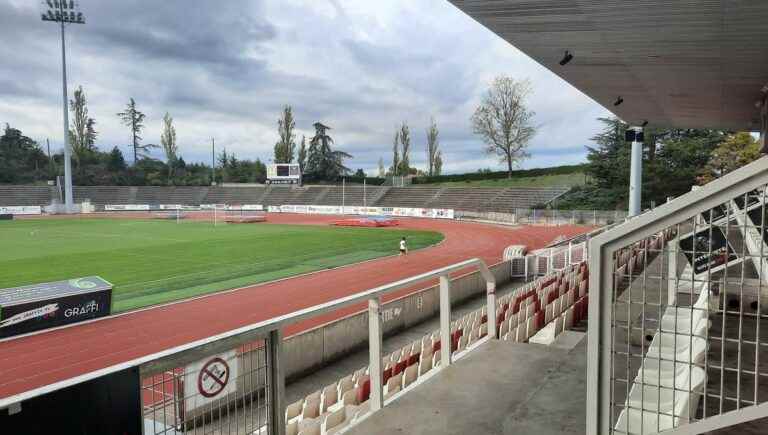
678	333
261	410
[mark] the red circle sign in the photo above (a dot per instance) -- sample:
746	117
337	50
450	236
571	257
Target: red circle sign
213	377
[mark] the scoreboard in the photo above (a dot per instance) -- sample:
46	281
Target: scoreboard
284	173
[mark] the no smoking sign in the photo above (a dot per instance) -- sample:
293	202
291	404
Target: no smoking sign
213	377
210	379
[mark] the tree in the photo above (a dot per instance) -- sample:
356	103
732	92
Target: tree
504	122
360	173
405	155
115	161
170	147
432	147
285	146
134	119
302	159
734	152
328	164
21	159
82	135
438	163
382	169
396	154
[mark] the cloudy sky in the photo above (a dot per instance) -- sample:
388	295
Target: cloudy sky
224	69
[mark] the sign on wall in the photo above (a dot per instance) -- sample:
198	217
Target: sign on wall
208	380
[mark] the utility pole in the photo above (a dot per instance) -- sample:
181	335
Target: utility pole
62	12
213	162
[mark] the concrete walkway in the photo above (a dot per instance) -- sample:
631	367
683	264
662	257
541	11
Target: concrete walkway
499	388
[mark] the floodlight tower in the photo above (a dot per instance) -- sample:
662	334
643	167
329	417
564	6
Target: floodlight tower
63	12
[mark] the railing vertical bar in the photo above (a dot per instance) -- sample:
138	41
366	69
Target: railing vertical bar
374	353
276	382
445	320
744	257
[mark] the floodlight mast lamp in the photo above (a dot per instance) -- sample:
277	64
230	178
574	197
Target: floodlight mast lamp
62	12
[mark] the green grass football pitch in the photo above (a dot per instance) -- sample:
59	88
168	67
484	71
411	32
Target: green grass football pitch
153	261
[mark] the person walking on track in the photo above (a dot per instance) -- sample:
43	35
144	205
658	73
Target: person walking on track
403	247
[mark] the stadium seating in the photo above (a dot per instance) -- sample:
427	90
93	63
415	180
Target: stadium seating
22	196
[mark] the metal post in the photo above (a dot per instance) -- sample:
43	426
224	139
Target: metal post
365	203
343	188
213	162
636	172
277	383
374	353
490	289
68	199
445	320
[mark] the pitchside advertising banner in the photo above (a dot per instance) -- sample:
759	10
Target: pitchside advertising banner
41	306
432	213
31	210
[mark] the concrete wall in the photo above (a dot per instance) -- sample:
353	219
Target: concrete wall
321	346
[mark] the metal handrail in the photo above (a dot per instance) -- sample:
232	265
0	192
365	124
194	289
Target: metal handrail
601	249
271	328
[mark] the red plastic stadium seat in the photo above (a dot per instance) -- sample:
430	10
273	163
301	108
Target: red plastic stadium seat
436	346
364	392
400	367
386	375
414	359
484	318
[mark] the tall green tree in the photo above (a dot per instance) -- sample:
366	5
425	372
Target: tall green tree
302	158
438	163
285	147
82	134
21	159
170	147
329	163
133	118
504	122
732	153
395	170
672	161
405	153
433	147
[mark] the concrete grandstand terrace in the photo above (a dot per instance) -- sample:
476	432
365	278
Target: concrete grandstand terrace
35	361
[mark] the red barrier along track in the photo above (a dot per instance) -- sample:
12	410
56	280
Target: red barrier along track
34	361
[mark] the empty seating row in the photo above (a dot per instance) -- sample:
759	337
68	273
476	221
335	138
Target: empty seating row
670	380
334	407
25	196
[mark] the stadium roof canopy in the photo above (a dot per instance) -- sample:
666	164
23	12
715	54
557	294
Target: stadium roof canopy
680	63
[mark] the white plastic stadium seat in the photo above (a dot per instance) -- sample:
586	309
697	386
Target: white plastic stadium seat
330	396
333	420
292	428
311	429
293	410
411	374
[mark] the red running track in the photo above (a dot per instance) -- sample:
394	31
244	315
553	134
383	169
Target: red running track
34	361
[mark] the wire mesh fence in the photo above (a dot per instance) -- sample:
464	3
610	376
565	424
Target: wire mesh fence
217	393
688	326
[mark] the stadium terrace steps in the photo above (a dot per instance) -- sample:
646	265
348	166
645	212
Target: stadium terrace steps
26	195
458	198
351	195
234	195
408	196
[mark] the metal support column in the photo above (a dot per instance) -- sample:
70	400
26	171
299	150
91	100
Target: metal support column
636	170
490	288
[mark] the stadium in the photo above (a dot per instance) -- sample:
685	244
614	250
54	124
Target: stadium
418	303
